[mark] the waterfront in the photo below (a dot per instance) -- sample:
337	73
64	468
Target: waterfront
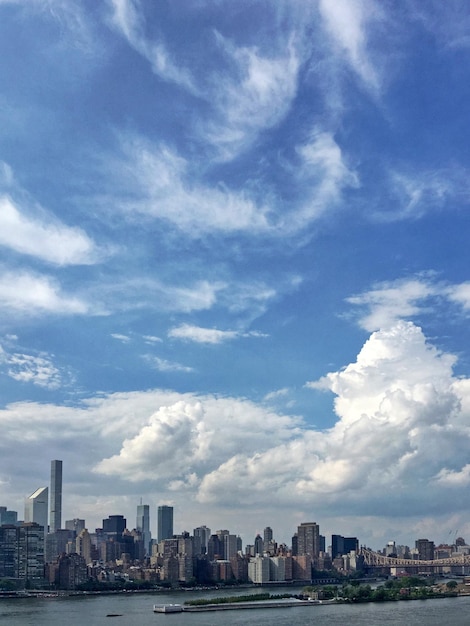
137	609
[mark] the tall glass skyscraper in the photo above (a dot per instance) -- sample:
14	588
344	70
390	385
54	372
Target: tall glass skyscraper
143	525
165	523
55	510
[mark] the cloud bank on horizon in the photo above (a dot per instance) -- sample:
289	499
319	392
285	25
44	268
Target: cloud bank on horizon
233	262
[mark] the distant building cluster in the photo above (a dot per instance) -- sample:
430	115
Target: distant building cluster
38	552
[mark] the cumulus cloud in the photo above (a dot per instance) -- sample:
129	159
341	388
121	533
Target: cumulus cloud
399	445
397	407
402	419
195	436
46	239
208	335
33	294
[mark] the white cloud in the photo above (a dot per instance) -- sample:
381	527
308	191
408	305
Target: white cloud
460	294
162	365
253	98
347	21
151	339
399	446
45	239
416	194
388	302
324	175
254	92
33	294
157	182
27	368
127	17
188	435
208	335
119	337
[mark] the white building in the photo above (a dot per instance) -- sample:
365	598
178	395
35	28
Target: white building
258	569
36	507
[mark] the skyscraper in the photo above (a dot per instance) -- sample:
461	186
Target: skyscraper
165	523
35	507
308	539
143	525
55	515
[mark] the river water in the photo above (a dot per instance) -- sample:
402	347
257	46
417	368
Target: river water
136	610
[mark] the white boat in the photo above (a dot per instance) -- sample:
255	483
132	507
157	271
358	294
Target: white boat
167	608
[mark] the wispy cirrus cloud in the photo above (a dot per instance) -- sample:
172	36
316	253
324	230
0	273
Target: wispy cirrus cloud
122	338
155	181
33	294
198	334
164	365
253	93
415	194
44	237
256	96
127	18
347	21
390	301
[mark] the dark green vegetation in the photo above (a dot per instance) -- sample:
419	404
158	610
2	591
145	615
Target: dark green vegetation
257	597
406	588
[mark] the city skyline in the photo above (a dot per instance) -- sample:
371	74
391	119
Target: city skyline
234	262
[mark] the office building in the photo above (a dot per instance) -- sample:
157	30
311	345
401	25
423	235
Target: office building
55	516
7	517
164	522
143	525
36	508
114	525
75	524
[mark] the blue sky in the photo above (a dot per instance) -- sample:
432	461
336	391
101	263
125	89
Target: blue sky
234	262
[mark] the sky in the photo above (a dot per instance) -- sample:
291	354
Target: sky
234	262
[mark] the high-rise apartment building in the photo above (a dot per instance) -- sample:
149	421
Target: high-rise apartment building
201	536
36	507
143	525
164	522
22	552
55	516
308	539
425	549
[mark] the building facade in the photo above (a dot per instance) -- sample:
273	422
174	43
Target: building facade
55	514
164	522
